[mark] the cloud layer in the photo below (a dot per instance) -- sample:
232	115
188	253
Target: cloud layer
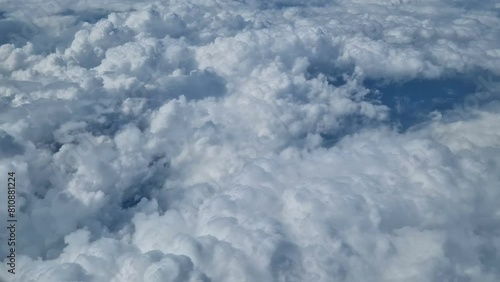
240	141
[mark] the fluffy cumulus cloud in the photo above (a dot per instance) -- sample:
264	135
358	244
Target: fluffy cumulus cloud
222	140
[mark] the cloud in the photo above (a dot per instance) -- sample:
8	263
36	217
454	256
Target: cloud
250	140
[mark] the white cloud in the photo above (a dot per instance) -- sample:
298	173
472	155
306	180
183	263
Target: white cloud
240	141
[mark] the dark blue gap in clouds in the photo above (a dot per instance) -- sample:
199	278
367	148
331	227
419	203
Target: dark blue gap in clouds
412	101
